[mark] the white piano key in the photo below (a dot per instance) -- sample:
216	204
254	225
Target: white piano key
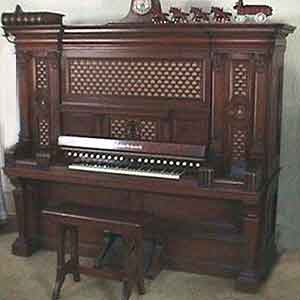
123	171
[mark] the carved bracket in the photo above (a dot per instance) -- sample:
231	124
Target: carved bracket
206	176
260	62
22	58
53	59
43	158
218	61
253	180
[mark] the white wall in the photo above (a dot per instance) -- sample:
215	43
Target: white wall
101	11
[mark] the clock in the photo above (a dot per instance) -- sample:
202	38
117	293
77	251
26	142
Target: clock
141	7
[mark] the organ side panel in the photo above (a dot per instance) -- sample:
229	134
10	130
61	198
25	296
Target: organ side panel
260	98
46	98
274	112
38	93
239	106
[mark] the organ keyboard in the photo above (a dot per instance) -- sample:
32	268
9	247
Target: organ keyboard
100	155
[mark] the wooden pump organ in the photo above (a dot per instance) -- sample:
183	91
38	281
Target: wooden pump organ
178	119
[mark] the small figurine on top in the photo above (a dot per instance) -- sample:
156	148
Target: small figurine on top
159	17
198	15
244	12
178	16
220	16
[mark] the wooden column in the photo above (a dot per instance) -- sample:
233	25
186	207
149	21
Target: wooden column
23	59
249	277
26	243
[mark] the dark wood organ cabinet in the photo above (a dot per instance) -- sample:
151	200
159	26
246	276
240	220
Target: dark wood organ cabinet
203	99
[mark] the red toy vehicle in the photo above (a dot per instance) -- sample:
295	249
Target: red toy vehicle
261	12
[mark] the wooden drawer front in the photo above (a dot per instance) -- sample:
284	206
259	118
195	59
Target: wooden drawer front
79	124
191	131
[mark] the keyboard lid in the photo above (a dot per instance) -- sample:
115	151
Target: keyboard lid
197	151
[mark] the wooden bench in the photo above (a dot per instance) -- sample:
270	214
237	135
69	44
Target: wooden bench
129	225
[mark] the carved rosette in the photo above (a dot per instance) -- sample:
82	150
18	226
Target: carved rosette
238	109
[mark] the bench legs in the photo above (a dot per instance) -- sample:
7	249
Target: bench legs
134	261
64	268
74	254
60	272
130	268
140	264
134	267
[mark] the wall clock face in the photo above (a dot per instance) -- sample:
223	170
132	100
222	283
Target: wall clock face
141	7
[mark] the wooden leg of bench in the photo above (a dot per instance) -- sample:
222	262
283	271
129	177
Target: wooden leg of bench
140	264
60	271
127	289
74	254
157	261
130	268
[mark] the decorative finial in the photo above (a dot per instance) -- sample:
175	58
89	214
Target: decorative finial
18	10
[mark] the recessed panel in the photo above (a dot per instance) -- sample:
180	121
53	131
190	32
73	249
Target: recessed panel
167	78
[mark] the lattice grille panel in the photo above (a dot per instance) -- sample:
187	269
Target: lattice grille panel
144	130
147	130
136	77
44	132
41	74
119	129
240	79
239	144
